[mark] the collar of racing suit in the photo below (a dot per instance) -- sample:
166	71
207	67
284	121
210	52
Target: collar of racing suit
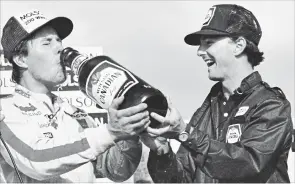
50	100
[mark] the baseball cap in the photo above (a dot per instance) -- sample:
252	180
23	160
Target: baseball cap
20	27
228	20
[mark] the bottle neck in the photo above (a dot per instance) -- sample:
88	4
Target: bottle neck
78	61
72	59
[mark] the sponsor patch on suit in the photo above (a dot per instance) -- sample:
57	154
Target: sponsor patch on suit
233	134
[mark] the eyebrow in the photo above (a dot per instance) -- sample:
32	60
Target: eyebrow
46	39
215	38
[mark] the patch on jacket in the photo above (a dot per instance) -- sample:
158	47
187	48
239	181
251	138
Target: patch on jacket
242	111
51	120
29	110
23	93
78	114
233	134
30	107
48	134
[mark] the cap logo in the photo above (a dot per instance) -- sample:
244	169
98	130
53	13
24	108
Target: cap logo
209	16
31	20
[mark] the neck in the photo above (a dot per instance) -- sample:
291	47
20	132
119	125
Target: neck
233	82
33	85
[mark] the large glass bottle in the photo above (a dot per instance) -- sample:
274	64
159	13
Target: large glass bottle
102	79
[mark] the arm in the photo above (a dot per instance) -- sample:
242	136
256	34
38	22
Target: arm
168	167
67	146
266	137
41	157
163	164
119	162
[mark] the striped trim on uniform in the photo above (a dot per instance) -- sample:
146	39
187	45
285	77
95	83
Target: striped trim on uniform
43	155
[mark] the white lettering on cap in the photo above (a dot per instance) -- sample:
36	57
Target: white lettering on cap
209	16
31	20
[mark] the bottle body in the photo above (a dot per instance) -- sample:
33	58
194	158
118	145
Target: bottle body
102	79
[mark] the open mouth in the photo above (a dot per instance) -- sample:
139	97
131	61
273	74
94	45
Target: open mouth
209	63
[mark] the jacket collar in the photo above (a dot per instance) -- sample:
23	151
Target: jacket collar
247	84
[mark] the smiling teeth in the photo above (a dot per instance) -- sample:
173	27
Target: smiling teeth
210	63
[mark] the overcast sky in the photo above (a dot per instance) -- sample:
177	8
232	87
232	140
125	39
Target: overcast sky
147	38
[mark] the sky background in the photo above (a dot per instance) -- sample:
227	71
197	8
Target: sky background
147	37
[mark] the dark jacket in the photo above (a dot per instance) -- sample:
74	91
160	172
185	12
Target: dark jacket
250	145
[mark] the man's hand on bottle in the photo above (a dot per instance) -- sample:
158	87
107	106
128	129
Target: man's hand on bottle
158	144
126	123
172	124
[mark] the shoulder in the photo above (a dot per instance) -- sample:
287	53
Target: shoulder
266	98
264	95
272	91
7	101
9	109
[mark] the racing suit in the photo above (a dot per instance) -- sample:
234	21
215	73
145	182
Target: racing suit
244	139
53	141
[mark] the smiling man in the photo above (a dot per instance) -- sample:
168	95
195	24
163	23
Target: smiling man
49	139
242	131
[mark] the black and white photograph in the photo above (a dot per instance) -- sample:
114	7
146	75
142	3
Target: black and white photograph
147	91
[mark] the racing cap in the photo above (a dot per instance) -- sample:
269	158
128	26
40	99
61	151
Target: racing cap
228	20
20	27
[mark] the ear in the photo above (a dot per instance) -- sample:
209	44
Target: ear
20	60
240	46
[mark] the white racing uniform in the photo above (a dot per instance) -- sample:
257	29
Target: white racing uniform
57	142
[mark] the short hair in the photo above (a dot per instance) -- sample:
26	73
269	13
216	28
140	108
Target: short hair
20	50
255	56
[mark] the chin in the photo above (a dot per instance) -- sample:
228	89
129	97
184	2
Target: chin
58	79
214	78
61	79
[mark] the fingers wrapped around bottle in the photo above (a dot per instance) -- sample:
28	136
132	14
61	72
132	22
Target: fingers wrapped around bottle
129	122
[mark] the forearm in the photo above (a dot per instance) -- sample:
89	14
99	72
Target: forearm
43	158
165	167
120	162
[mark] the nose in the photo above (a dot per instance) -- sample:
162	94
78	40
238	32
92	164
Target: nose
59	50
201	51
59	46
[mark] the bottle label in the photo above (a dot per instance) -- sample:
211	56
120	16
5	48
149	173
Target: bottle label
77	63
108	81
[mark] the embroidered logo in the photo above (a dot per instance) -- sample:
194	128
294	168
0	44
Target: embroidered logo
78	114
21	92
52	121
26	109
48	134
242	111
209	16
29	110
233	134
